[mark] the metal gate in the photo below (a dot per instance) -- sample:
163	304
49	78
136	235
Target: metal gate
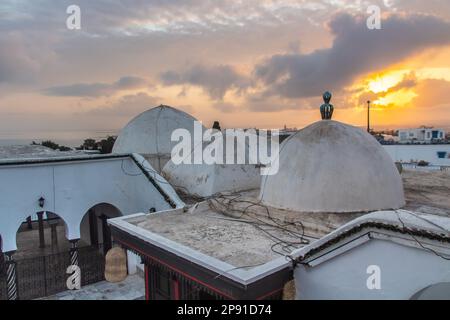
3	295
46	275
92	264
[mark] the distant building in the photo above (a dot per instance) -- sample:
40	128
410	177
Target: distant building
421	135
434	154
285	133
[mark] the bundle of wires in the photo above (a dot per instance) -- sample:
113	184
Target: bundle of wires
286	235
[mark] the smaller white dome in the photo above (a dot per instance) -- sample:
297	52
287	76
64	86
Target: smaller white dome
208	179
333	167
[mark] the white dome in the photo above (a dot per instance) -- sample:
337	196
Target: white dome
150	133
208	179
333	167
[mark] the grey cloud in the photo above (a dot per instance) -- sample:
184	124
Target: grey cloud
262	103
225	107
130	82
96	89
434	7
215	81
409	81
136	16
17	62
128	105
131	105
355	50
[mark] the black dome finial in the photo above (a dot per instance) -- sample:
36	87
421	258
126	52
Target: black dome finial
326	110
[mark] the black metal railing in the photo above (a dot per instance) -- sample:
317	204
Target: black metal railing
3	295
46	275
92	264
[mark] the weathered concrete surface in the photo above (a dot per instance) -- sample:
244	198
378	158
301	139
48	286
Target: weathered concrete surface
149	134
218	228
333	167
204	229
427	192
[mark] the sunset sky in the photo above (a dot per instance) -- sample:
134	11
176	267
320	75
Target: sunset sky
246	63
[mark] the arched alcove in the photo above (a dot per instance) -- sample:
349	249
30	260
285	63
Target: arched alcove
93	227
42	255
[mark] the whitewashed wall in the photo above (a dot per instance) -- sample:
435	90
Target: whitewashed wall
71	188
404	271
406	153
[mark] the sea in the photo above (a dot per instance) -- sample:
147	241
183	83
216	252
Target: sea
70	139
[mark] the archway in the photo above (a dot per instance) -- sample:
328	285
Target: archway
94	229
95	232
42	233
42	256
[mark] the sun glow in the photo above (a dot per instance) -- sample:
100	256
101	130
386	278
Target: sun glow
398	98
383	82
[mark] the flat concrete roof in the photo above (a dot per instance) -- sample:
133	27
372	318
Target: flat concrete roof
427	191
230	240
216	234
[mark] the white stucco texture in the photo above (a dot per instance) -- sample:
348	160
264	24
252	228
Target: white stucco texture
333	167
208	179
73	186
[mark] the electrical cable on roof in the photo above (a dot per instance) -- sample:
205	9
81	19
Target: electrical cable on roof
410	232
281	246
296	234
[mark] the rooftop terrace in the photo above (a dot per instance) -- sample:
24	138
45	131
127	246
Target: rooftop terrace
236	234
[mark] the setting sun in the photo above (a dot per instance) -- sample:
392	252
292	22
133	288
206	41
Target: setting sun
384	82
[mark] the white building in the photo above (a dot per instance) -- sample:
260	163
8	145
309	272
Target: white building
330	219
421	135
382	255
434	154
74	195
333	219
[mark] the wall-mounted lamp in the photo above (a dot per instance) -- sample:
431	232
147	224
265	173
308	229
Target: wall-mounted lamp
41	202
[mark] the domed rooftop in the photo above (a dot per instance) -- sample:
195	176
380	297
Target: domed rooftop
208	179
150	132
333	167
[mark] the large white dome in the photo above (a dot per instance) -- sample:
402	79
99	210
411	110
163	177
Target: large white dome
150	134
333	167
